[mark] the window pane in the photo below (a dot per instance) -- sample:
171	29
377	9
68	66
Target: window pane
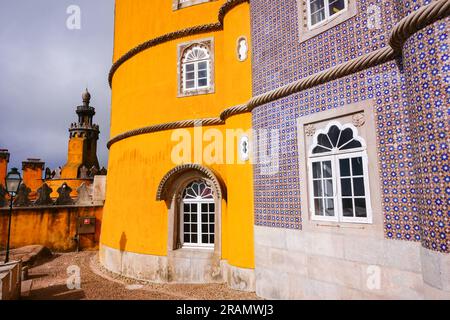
202	74
204	207
323	140
347	207
316	5
205	238
360	208
211	207
211	228
317	171
187	238
211	238
193	207
194	217
317	188
190	67
204	218
202	82
327	172
186	217
333	134
344	165
202	65
211	218
204	228
194	238
357	166
190	84
346	187
319	149
358	187
329	209
317	17
194	228
190	75
352	145
328	188
318	207
186	207
336	6
187	227
346	136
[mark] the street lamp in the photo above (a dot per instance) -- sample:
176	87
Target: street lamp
12	182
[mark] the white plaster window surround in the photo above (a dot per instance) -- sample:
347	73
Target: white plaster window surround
317	16
180	4
196	68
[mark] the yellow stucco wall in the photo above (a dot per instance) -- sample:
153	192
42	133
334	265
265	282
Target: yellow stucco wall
145	93
53	227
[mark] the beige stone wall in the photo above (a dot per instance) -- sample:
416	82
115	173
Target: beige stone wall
317	264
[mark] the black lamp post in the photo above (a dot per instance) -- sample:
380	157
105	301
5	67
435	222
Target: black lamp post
12	182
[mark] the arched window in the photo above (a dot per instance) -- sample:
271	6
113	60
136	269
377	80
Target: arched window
196	68
198	215
338	175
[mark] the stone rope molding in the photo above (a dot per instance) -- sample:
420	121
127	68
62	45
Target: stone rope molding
209	173
405	28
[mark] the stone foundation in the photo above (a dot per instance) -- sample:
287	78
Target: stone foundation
320	265
180	266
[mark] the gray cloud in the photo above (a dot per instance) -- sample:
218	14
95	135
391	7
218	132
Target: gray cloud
44	68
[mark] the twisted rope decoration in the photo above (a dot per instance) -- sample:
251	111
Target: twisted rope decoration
403	30
417	21
167	126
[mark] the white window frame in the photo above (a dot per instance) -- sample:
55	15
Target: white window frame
196	78
334	156
199	244
328	18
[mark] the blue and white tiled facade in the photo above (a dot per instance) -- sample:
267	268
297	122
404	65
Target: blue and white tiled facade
411	97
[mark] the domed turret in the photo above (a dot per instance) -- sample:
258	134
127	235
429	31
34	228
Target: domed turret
86	97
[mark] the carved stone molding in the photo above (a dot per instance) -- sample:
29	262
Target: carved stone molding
209	173
310	130
64	198
358	119
22	197
44	198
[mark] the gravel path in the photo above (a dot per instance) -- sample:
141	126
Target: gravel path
49	283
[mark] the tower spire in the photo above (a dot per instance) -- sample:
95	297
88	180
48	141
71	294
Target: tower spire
83	140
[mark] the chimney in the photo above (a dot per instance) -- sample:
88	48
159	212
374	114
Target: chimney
32	174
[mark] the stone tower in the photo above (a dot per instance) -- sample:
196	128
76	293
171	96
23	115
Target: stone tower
83	141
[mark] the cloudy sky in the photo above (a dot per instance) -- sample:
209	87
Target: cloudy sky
45	67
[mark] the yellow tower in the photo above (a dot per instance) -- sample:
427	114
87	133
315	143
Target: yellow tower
179	202
84	134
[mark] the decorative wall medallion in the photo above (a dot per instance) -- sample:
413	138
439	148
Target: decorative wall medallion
242	49
244	148
358	120
310	130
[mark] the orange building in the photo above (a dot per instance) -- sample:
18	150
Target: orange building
192	212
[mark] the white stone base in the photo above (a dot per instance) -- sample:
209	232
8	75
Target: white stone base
180	266
294	264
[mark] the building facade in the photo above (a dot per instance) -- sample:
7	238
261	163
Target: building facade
333	180
61	208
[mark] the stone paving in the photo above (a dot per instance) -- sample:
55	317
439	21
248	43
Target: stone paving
50	283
